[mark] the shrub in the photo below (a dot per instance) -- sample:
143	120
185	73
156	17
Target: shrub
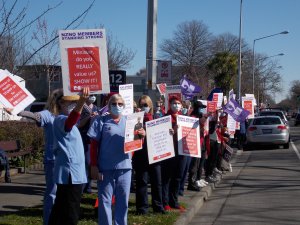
29	135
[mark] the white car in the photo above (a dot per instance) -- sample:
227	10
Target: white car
268	130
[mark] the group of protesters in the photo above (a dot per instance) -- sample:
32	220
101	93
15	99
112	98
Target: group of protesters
84	142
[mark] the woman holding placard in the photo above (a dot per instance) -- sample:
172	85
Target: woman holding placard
110	166
173	168
143	169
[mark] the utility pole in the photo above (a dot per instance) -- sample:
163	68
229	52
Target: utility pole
240	57
151	60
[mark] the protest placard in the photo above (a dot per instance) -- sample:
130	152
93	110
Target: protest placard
231	125
13	95
84	61
188	134
211	106
126	91
159	140
247	104
218	97
133	141
161	88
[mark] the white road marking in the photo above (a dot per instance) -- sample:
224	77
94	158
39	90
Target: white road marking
295	149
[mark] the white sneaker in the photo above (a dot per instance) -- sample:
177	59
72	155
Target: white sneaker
217	171
203	181
202	184
198	183
230	168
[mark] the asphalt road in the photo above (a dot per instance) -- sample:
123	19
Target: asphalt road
264	188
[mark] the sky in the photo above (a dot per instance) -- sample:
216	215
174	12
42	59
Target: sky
127	21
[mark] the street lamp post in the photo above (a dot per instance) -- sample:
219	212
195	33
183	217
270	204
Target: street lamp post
253	53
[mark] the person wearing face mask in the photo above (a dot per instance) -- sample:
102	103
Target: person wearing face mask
89	111
143	170
197	164
110	166
173	168
69	167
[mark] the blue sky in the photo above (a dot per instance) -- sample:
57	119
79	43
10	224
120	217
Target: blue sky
127	20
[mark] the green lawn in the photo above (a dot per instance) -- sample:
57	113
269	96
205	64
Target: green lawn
33	216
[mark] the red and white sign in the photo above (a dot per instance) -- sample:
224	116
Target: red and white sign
211	106
133	141
218	97
164	70
84	61
188	135
161	88
247	104
12	94
159	140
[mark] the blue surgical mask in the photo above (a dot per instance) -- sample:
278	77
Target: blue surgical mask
71	107
176	107
146	109
201	110
116	110
184	111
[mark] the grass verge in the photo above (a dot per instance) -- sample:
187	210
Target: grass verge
88	215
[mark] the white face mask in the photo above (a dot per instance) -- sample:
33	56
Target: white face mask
71	107
92	99
146	109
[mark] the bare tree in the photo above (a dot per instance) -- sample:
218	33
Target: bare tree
14	30
189	48
119	57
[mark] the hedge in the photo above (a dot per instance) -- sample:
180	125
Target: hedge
29	134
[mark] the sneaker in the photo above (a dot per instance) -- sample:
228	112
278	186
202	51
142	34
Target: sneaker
167	208
180	208
217	171
198	183
193	187
230	168
203	181
202	184
211	179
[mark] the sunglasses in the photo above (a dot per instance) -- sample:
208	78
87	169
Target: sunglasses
115	104
144	105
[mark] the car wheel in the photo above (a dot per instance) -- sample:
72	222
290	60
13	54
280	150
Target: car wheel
286	146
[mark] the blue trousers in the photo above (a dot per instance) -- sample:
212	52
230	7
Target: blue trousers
115	182
50	192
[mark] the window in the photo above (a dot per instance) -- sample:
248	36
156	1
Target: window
267	121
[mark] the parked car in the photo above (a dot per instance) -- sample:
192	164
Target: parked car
36	107
274	112
266	130
297	119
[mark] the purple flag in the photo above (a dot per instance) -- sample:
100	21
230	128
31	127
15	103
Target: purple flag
188	88
238	113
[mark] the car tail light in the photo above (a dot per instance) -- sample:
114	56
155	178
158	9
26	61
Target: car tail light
281	127
252	128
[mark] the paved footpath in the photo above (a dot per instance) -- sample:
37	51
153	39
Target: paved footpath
26	190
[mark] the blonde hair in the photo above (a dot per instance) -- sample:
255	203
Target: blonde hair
52	105
114	98
148	101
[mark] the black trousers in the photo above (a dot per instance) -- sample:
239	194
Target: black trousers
142	175
66	207
212	159
172	173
